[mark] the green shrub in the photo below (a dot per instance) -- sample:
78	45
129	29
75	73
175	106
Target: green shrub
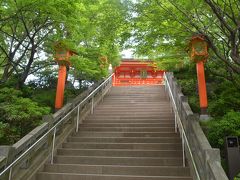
72	93
9	94
219	128
194	103
224	99
45	97
189	86
18	115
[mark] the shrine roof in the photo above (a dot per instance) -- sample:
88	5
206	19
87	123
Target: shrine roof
135	61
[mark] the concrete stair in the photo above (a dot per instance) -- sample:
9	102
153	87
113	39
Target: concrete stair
130	136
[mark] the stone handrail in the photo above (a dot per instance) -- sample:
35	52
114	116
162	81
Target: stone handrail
207	159
26	167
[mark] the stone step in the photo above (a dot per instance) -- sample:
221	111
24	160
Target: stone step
130	136
124	106
119	152
118	170
138	96
110	124
125	134
143	146
137	106
128	161
128	129
130	114
125	139
145	95
157	102
71	176
133	118
139	109
136	115
128	121
132	108
162	101
135	102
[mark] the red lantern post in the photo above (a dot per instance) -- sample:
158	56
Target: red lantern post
199	54
62	57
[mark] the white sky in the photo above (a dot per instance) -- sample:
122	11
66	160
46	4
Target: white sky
127	53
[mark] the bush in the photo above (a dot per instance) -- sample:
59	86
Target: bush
18	115
225	98
72	93
218	129
45	97
194	103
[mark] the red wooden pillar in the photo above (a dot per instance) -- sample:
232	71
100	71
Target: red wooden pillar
62	73
63	58
199	54
202	90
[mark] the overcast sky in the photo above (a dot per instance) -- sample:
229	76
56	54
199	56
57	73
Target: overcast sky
127	53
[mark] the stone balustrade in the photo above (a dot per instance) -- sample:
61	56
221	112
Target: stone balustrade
207	159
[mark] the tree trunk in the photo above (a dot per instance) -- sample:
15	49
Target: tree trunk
25	73
6	73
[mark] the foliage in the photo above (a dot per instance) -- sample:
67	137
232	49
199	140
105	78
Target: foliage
105	23
88	67
70	94
19	115
44	79
44	97
29	29
224	99
23	39
219	128
164	28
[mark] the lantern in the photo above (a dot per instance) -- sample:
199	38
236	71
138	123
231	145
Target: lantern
199	48
199	54
62	56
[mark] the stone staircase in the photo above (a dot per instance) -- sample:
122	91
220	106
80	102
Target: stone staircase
130	136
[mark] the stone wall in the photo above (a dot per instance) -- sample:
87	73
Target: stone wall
206	158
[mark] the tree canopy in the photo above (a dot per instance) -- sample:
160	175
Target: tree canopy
28	30
159	29
164	27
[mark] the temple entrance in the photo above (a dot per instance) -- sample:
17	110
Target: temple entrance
134	72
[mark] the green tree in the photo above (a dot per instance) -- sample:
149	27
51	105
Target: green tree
19	115
25	28
29	28
165	27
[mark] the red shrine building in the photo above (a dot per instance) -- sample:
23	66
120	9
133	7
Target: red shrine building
134	72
